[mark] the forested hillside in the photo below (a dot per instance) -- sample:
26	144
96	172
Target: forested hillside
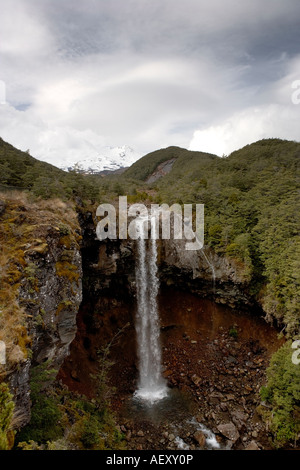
252	206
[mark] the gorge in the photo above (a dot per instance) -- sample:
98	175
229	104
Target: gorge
72	306
215	345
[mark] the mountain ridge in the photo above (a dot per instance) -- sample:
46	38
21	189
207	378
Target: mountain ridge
110	159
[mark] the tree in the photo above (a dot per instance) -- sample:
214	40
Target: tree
283	393
5	173
6	413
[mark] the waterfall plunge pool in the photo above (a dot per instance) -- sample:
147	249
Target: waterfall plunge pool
175	412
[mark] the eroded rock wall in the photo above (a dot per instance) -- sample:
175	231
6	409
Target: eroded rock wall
41	291
204	273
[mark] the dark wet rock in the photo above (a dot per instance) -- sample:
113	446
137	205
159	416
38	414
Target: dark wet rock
19	382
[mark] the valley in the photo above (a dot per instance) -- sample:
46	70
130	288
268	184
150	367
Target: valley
227	313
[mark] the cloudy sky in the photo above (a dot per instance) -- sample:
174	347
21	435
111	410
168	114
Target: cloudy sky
212	75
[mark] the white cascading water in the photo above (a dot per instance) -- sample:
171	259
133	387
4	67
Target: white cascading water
212	270
151	386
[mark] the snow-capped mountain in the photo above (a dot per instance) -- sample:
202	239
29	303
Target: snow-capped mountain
108	159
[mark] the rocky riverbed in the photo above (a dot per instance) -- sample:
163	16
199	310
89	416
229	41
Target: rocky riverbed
220	382
216	361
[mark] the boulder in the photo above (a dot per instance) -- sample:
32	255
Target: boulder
239	418
229	430
200	438
252	446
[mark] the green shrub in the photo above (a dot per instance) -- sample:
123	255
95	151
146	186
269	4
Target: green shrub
6	414
282	392
90	432
233	332
45	412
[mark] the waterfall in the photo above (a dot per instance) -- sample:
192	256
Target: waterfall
151	386
212	271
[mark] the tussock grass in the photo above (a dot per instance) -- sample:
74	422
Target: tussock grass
24	226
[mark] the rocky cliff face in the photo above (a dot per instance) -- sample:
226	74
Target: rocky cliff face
41	287
204	273
110	265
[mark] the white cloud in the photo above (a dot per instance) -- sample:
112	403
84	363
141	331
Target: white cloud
273	114
127	101
62	146
21	33
146	74
247	126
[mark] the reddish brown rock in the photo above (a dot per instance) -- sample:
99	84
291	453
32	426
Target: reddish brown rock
200	438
